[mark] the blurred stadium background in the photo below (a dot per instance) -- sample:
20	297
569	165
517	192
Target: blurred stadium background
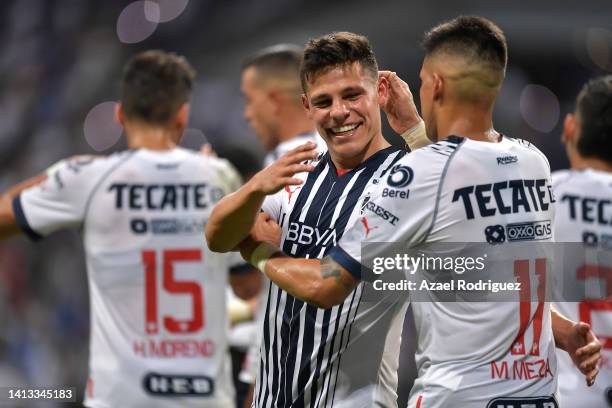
60	64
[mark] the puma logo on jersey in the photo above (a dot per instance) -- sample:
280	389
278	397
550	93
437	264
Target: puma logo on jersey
290	192
364	221
306	235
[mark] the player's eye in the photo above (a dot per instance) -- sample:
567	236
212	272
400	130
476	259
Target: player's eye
352	96
324	103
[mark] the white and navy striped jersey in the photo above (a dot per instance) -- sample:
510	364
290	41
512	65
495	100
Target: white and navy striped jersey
284	147
584	214
158	317
470	354
312	357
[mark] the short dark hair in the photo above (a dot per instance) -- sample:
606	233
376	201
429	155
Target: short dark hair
469	36
155	85
277	59
334	50
594	109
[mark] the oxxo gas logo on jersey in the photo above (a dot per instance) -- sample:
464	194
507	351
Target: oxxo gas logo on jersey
399	178
522	231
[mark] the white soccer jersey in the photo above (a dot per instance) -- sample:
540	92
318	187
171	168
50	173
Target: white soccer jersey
312	357
158	315
250	368
470	354
288	145
584	214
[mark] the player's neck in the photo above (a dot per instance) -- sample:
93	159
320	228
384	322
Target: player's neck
467	121
581	163
151	138
344	164
294	126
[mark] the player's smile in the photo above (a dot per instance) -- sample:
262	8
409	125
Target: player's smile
344	131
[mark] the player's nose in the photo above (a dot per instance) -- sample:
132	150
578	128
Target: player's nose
339	111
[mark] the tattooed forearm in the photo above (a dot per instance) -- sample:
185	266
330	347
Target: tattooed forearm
330	269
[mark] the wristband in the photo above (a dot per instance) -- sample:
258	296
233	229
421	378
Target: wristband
239	311
261	254
416	136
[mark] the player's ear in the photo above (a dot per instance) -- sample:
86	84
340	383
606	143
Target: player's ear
182	116
119	115
276	99
382	88
306	104
569	129
437	86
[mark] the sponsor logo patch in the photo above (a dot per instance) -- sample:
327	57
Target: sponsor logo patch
178	385
507	159
522	231
400	176
523	402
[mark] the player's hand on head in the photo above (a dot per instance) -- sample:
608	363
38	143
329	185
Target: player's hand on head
399	104
266	229
585	351
281	173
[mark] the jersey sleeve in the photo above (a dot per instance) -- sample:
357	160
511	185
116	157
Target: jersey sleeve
58	202
400	209
272	205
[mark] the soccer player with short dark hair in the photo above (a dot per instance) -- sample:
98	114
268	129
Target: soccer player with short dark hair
584	214
273	100
452	191
312	356
158	308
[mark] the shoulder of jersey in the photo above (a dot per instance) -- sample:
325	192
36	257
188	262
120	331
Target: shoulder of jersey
441	150
529	146
561	176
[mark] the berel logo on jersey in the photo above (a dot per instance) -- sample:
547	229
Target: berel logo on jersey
400	176
522	231
508	159
178	385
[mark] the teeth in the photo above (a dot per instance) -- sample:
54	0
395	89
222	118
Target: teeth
346	128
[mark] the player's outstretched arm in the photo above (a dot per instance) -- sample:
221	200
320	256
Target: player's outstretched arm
8	223
322	283
234	216
579	341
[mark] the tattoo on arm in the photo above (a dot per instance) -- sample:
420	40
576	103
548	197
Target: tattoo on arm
331	269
